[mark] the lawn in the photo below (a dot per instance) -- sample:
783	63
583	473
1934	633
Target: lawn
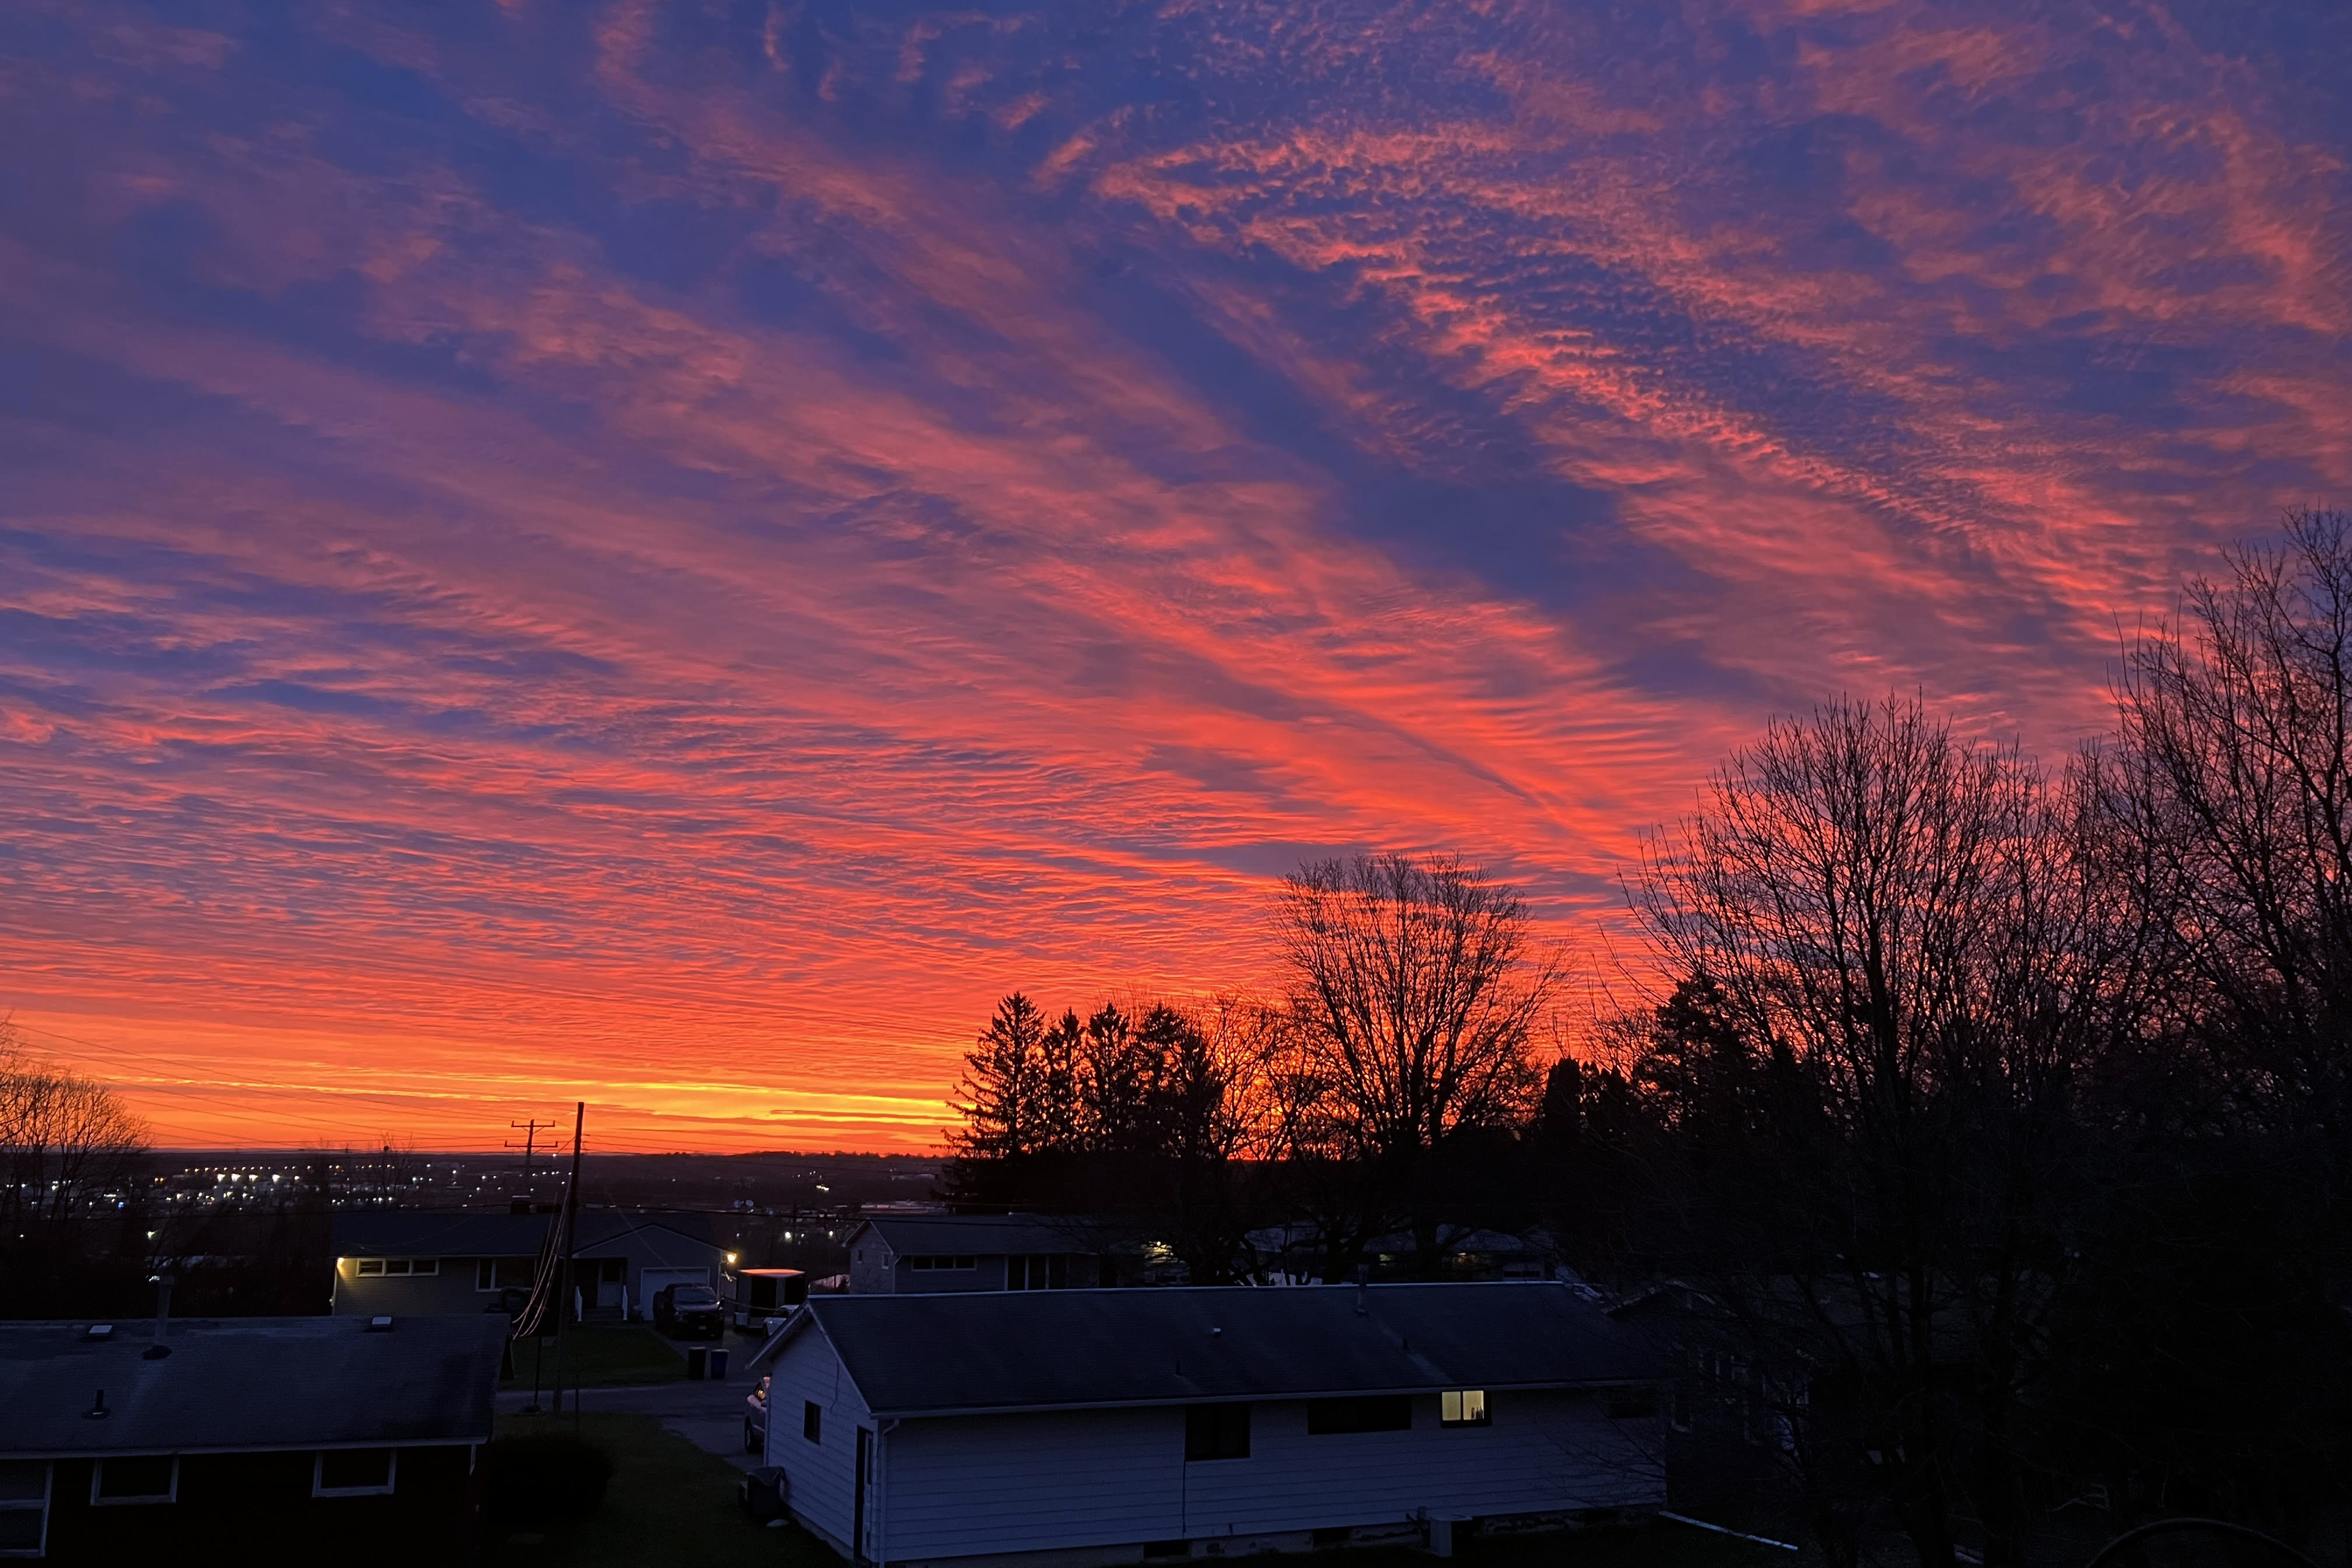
600	1355
670	1505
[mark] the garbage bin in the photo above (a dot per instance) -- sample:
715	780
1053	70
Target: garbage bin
765	1492
697	1362
719	1364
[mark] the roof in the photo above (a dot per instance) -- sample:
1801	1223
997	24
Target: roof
470	1232
936	1353
990	1234
248	1384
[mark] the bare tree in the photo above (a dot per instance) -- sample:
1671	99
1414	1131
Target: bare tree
2232	774
1415	990
1929	937
64	1139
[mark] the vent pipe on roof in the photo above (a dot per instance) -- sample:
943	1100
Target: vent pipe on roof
162	1283
98	1411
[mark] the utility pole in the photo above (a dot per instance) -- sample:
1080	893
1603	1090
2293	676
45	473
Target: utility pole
529	1130
568	1219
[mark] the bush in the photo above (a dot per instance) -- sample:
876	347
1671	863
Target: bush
543	1477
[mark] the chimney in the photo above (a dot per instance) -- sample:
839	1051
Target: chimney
162	1283
1364	1288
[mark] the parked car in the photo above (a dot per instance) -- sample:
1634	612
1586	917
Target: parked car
755	1418
689	1312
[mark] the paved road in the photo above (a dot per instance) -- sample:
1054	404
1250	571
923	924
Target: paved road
708	1415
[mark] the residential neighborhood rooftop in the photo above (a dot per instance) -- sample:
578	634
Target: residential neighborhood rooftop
245	1384
456	1233
930	1355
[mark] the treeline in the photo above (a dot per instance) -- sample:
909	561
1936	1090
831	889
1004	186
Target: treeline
1997	1124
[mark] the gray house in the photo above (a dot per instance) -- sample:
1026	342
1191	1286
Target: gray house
454	1261
923	1253
1123	1425
245	1441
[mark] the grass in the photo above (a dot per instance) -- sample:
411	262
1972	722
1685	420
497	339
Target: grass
670	1505
1654	1545
600	1355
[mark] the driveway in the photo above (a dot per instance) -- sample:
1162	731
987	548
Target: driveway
708	1415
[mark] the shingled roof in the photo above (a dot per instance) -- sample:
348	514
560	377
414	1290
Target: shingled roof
936	1354
993	1235
247	1385
463	1233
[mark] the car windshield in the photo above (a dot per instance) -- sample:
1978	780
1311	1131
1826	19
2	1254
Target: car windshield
696	1296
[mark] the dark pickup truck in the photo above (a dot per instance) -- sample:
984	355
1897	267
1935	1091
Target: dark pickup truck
689	1312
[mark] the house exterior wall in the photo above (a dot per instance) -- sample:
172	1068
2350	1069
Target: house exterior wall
822	1475
456	1288
244	1509
450	1290
986	1273
988	1484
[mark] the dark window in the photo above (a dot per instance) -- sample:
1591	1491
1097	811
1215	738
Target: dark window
354	1472
142	1479
1375	1413
24	1507
1216	1432
811	1422
1462	1407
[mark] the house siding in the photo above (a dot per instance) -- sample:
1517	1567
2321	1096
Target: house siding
986	1484
244	1509
820	1475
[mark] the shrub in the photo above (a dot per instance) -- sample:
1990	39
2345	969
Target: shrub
543	1477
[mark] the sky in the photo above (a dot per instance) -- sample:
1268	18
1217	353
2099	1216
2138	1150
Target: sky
667	554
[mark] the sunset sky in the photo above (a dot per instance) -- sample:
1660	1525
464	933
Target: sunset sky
669	553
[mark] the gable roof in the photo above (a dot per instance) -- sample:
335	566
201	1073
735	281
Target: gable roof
471	1233
248	1384
1024	1350
990	1234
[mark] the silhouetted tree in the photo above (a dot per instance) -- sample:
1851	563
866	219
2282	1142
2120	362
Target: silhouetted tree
1414	992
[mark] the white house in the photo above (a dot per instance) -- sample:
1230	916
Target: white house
1117	1426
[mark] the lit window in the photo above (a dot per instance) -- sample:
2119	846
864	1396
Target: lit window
142	1478
353	1472
1462	1407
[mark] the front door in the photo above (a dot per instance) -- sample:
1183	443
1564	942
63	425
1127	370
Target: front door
865	1480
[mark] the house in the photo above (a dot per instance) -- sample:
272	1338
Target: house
1123	1425
1297	1252
454	1260
904	1254
245	1441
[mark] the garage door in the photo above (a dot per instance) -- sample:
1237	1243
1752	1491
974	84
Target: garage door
653	1279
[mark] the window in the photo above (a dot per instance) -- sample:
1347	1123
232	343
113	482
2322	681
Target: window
1216	1432
1462	1407
811	1422
1042	1271
23	1507
371	1268
354	1472
503	1273
1378	1413
942	1261
144	1478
